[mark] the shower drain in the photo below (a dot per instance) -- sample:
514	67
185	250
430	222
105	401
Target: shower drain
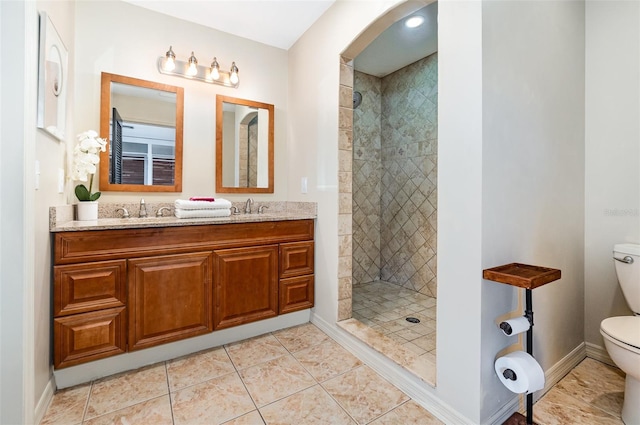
413	320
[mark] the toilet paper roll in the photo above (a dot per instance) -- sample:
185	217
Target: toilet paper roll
520	372
515	326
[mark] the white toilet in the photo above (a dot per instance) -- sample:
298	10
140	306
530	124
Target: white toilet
622	334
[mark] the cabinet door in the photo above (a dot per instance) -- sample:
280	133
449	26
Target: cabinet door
169	298
80	288
246	285
80	338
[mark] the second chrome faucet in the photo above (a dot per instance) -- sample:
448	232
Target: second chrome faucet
247	206
143	209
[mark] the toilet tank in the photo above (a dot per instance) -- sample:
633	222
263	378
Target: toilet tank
629	274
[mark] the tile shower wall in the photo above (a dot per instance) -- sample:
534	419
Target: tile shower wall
394	177
367	179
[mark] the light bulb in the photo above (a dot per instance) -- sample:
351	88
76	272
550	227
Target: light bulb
192	70
170	61
233	77
214	73
414	21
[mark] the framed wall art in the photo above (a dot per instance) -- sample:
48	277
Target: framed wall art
52	80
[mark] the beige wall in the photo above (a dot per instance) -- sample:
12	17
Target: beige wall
133	50
612	139
476	149
533	172
51	154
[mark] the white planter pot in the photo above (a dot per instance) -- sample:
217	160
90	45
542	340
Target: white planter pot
87	210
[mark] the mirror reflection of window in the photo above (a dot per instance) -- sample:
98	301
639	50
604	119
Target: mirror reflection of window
146	154
143	151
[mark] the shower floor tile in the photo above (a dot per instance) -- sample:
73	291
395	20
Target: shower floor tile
384	307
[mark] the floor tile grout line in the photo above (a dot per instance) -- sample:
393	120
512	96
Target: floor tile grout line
86	403
166	371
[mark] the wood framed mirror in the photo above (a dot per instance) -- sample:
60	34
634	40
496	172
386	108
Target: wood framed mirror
142	122
244	146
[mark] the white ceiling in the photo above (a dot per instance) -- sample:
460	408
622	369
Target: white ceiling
278	23
399	46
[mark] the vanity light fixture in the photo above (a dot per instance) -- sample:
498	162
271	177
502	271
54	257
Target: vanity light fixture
190	69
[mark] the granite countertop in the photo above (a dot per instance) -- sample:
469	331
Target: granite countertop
61	218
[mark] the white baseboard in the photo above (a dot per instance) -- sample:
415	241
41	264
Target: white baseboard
504	413
599	353
421	392
45	399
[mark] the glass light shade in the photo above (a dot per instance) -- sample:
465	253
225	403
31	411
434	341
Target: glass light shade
170	61
214	73
192	70
233	76
169	64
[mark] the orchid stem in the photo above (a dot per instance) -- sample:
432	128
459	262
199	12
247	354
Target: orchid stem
90	185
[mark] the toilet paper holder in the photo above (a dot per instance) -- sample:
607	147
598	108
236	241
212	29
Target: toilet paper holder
527	277
507	328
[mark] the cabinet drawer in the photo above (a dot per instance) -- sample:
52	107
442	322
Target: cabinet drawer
88	287
296	293
88	336
296	259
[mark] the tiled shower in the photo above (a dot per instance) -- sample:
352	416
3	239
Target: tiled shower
395	139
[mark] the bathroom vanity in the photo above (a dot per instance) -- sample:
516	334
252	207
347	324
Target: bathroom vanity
126	286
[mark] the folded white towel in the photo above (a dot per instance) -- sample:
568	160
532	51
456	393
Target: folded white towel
185	204
220	212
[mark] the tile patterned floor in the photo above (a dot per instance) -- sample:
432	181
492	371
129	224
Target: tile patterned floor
384	307
294	376
379	314
298	376
592	393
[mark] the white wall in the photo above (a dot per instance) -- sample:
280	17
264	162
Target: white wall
133	49
18	67
612	174
533	173
51	154
460	205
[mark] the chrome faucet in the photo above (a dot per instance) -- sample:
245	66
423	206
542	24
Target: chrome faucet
160	210
247	206
125	213
143	209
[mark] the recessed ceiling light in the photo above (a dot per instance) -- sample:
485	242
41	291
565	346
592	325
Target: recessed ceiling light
414	21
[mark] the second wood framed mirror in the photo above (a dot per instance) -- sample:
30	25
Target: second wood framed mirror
143	123
244	146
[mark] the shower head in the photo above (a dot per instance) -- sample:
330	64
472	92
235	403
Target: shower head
357	99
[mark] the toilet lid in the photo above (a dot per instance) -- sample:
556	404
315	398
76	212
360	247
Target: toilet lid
625	329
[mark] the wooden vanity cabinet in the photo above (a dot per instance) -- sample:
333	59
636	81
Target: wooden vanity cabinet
127	289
